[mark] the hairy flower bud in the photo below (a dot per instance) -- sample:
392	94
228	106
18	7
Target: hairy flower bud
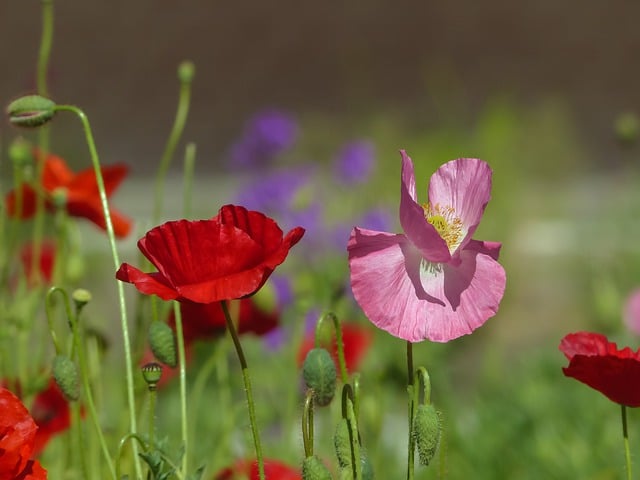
163	343
31	111
314	469
319	373
342	442
65	373
426	431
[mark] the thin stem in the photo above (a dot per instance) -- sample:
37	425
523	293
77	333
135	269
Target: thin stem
84	374
116	261
152	416
183	384
339	343
247	386
307	424
78	436
189	162
625	435
45	47
172	142
410	391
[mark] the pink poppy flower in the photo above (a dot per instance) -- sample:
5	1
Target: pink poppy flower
432	282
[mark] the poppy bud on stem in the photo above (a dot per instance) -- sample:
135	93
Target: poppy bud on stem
31	111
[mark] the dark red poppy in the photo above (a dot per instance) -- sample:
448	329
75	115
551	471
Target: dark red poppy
595	361
206	261
17	436
47	259
79	190
356	339
246	469
201	321
50	411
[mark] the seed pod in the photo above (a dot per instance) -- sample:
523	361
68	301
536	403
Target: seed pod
319	373
314	469
426	431
152	372
163	343
31	111
65	373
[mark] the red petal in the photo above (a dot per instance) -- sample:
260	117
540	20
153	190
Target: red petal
55	172
29	201
147	283
17	433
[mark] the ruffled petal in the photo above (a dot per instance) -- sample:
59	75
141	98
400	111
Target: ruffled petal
420	232
465	185
147	283
85	184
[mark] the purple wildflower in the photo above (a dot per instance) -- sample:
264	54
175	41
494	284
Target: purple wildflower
354	162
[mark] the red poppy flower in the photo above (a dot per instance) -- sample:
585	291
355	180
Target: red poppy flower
356	339
80	191
47	259
205	261
17	436
245	469
50	411
595	361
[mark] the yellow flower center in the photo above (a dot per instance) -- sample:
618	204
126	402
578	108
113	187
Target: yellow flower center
446	222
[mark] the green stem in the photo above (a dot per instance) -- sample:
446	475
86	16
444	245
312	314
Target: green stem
78	436
625	435
247	386
152	416
172	142
189	163
45	47
307	424
183	384
339	342
84	374
410	390
348	414
116	261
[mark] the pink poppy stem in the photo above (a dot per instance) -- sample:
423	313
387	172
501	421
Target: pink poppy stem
625	435
247	386
410	391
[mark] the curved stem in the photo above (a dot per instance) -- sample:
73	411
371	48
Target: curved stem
339	342
247	386
172	142
307	424
625	435
410	391
116	261
183	384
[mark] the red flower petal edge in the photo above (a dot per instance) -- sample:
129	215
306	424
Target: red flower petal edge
598	363
273	470
205	261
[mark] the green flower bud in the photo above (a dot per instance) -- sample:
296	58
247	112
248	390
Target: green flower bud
342	442
367	467
20	153
319	373
152	372
163	343
426	431
31	111
186	71
65	373
627	128
59	197
81	297
314	469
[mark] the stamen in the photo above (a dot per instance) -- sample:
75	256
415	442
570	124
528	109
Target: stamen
445	221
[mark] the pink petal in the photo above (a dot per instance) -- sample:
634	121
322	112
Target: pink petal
632	312
465	185
397	297
487	248
420	232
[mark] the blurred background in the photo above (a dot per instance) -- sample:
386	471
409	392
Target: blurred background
545	91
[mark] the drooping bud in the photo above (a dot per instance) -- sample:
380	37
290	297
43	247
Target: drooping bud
186	71
31	111
319	373
426	431
81	297
314	469
163	343
367	467
152	372
65	373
